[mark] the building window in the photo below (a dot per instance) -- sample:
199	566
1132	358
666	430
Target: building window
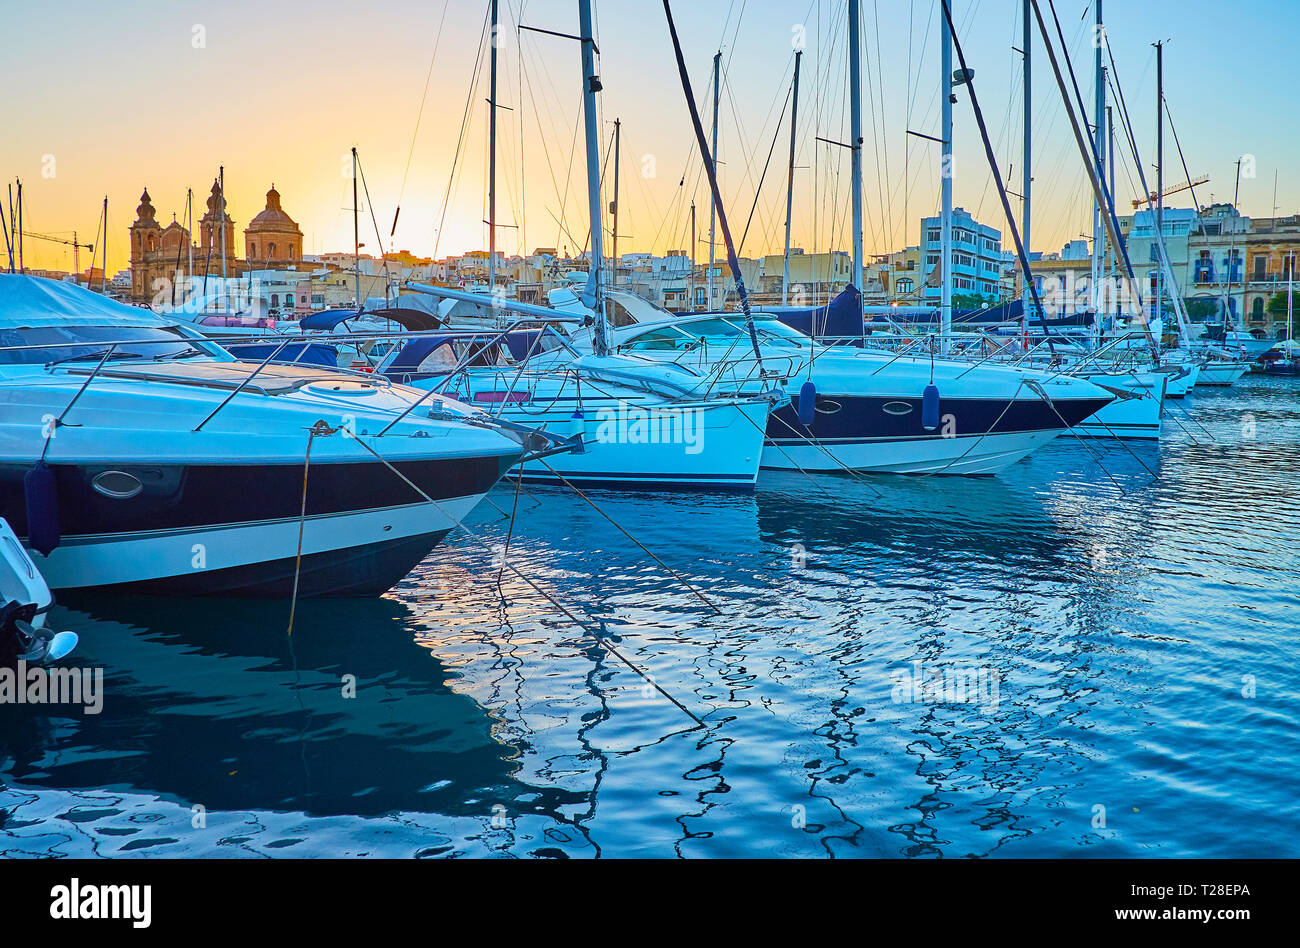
1204	268
1257	310
1261	266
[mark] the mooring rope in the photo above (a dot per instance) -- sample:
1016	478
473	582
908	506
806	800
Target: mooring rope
599	638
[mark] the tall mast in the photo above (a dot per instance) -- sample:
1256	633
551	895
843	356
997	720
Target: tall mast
492	160
356	234
789	187
1158	306
1232	249
103	273
613	209
713	160
221	181
1099	139
1026	42
692	309
592	297
855	138
945	172
1110	135
189	239
23	269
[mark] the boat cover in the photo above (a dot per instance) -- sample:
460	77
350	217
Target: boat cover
30	301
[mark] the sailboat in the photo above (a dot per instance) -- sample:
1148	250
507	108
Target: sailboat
642	424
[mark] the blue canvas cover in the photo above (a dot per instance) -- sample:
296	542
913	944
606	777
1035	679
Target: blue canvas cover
30	301
842	316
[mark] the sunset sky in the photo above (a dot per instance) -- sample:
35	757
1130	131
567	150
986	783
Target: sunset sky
135	93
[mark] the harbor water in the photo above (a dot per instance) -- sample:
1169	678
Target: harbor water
1094	654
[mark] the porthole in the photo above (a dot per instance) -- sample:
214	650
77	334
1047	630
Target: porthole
897	408
827	406
117	484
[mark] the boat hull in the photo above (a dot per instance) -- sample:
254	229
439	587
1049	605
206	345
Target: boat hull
624	450
1138	418
227	529
879	435
1222	374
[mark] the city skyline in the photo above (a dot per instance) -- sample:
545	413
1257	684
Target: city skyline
282	96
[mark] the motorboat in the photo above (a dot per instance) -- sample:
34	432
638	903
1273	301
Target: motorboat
138	454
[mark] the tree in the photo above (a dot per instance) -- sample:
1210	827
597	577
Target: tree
1199	308
1277	307
972	301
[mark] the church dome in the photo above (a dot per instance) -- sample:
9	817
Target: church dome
272	217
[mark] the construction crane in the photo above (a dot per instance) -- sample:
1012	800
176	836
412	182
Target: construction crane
73	243
1155	196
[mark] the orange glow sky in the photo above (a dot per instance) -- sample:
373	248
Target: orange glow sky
123	96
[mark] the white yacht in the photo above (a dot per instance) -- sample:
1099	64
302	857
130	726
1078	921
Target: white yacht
643	423
137	454
860	409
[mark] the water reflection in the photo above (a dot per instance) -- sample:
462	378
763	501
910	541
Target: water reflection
1116	593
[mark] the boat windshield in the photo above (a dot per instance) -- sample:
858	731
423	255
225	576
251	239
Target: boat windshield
44	345
727	329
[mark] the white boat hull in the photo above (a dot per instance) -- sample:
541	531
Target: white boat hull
1222	374
716	446
1139	417
970	454
359	538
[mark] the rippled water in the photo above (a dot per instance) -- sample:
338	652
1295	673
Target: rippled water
1132	640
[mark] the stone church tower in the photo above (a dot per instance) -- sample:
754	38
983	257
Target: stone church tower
210	234
146	238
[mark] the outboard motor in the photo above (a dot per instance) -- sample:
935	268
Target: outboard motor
24	599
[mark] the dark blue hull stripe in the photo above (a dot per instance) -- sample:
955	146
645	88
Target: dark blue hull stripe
177	497
862	420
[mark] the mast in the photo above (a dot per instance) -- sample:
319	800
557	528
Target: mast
613	209
945	173
189	239
1158	305
492	160
713	160
592	297
221	179
356	233
693	239
789	187
1290	273
1026	41
1099	139
1088	153
1110	135
103	273
1232	248
855	138
21	267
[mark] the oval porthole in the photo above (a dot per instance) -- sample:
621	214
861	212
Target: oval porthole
827	406
897	408
117	484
